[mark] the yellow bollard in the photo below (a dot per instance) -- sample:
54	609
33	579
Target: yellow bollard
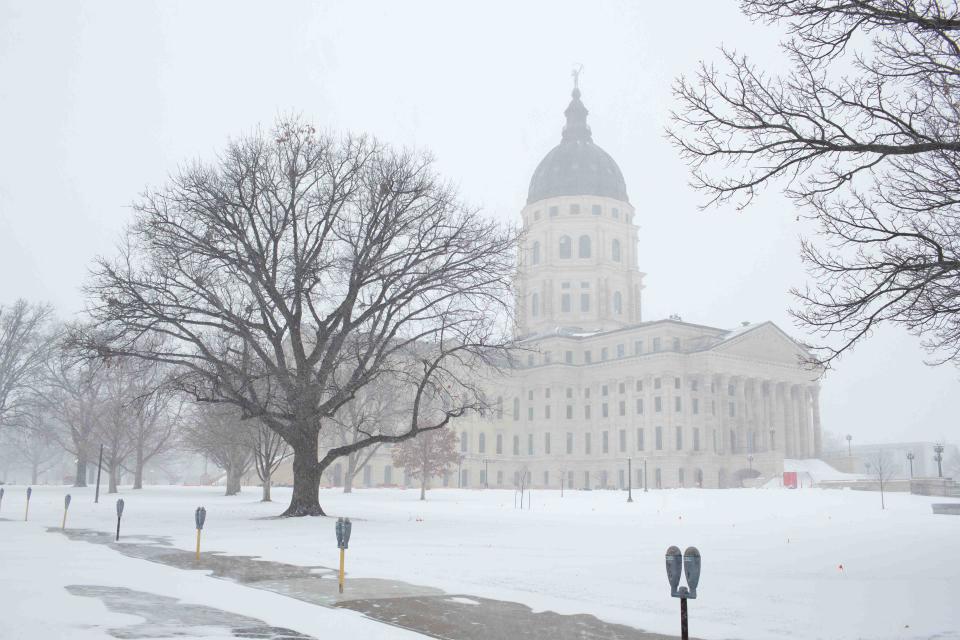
342	552
66	506
198	545
26	513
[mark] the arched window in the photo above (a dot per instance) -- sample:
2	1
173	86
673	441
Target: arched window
535	305
617	303
584	246
615	251
565	246
536	253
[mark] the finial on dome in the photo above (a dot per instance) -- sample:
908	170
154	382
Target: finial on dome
576	129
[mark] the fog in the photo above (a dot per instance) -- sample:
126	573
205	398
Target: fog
99	101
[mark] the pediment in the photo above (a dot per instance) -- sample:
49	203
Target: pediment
764	341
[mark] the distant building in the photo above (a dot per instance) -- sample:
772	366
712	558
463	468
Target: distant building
703	406
924	462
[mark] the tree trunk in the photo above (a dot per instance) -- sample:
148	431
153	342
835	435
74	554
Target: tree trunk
305	500
138	471
233	481
351	472
113	479
266	489
81	479
423	486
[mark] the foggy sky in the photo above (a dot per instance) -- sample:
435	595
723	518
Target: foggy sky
100	100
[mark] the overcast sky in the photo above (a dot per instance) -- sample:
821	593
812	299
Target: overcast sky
101	99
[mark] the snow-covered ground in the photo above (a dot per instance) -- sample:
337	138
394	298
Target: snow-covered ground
776	563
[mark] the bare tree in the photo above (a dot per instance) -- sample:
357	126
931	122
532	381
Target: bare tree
155	414
873	156
27	336
32	439
428	455
219	433
74	394
314	263
377	408
269	452
880	467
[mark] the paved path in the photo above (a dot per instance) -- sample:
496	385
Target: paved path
425	610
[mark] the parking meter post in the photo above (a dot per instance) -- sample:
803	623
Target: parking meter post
119	515
199	517
684	631
66	506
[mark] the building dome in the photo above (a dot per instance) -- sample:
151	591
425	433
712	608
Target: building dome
577	166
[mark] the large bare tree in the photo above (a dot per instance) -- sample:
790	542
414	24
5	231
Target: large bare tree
309	265
27	337
864	135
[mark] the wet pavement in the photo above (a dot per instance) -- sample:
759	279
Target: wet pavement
165	617
425	610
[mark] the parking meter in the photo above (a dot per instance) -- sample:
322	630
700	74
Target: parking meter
199	517
66	505
674	569
691	569
119	515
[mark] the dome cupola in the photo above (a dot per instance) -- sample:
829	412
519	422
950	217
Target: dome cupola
577	166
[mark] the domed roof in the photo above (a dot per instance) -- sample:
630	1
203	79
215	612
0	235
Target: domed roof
577	166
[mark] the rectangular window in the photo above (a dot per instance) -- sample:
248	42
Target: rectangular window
696	439
569	412
586	412
529	413
656	345
586	479
623	408
693	384
637	347
569	442
500	478
623	440
586	392
622	387
586	443
606	442
516	445
639	385
596	210
587	356
639	439
554	212
574	209
676	344
546	478
676	383
677	404
547	357
732	409
499	443
659	442
546	442
604	354
679	438
656	383
623	482
584	302
621	351
680	476
516	408
657	404
695	406
530	444
569	392
546	412
565	305
615	212
546	392
606	410
604	390
639	406
773	439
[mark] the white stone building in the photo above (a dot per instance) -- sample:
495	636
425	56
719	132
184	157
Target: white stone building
701	406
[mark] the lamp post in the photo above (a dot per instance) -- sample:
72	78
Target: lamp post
938	449
910	457
629	479
849	438
750	461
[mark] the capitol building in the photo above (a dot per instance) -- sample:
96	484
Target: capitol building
599	389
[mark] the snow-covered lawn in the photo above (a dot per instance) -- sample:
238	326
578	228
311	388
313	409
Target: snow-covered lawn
776	563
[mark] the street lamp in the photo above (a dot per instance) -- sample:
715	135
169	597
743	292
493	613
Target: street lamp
938	448
910	457
750	461
849	438
629	479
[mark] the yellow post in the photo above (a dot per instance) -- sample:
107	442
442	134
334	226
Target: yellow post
342	551
64	525
198	545
26	514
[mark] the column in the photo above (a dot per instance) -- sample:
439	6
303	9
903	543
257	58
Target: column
788	415
741	417
817	432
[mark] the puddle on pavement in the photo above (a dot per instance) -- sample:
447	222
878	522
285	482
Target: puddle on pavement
165	617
